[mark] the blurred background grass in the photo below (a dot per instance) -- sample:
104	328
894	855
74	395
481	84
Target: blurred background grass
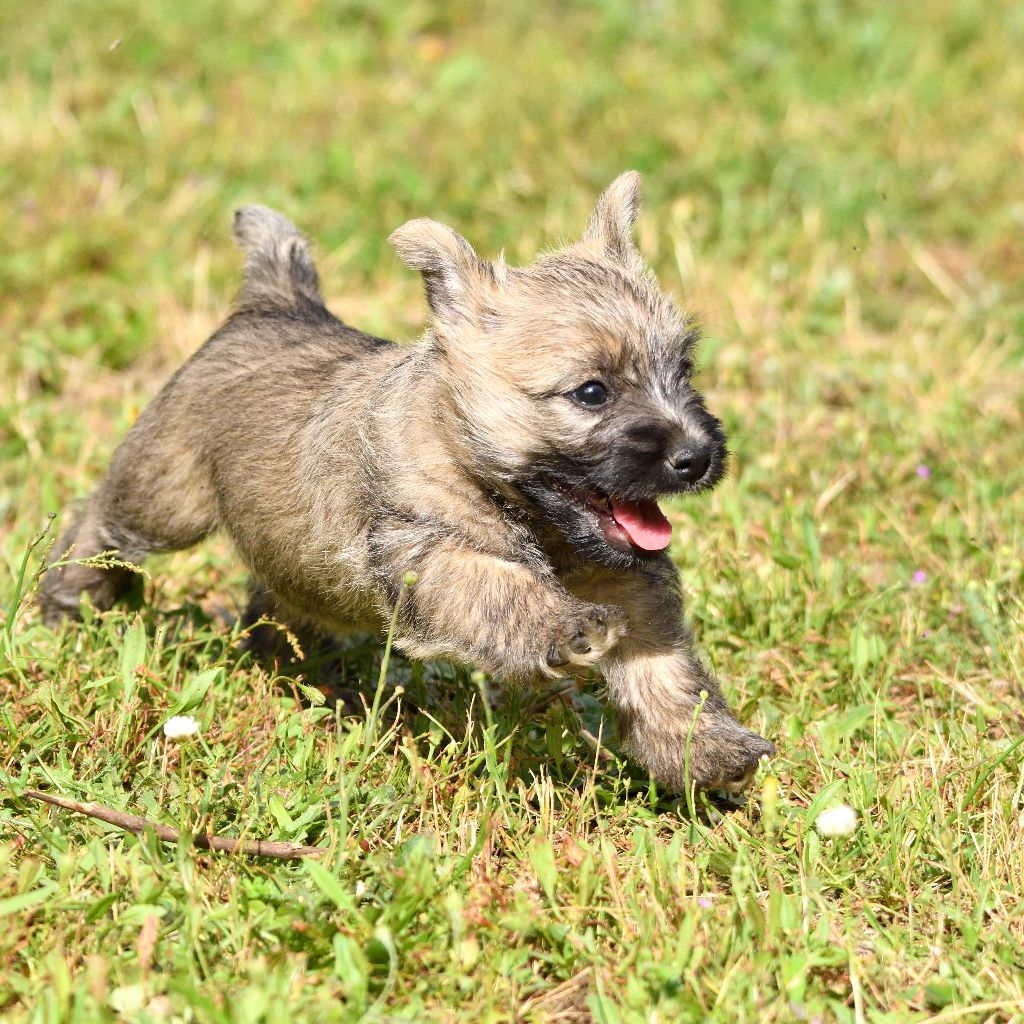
819	179
835	188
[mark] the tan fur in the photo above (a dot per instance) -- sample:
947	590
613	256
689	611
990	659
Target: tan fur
337	462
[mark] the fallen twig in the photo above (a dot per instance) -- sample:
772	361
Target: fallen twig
133	823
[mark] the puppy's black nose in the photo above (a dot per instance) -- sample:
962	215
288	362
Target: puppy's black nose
690	464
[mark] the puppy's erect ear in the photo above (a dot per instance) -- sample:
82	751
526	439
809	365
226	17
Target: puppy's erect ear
456	279
611	223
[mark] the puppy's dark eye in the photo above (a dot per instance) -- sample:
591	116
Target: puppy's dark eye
592	394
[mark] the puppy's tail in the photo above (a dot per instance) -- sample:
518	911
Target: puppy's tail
279	271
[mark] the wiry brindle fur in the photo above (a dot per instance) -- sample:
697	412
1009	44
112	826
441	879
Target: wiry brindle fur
511	459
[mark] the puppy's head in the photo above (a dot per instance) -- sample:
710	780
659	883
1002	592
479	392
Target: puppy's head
570	379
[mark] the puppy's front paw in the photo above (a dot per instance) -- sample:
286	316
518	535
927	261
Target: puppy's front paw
585	639
729	758
720	754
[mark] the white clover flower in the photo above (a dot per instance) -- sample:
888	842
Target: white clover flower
180	727
840	820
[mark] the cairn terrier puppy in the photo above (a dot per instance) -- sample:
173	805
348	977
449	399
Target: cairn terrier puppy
512	459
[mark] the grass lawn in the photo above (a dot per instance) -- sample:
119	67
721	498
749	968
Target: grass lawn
836	190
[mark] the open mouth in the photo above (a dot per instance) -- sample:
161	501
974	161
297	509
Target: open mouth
628	526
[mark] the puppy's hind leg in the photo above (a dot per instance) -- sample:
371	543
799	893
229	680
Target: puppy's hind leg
62	586
156	496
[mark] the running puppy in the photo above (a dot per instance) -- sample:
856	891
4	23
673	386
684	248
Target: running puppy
512	459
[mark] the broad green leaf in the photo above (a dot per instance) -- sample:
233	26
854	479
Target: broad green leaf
25	900
133	654
542	857
329	885
194	691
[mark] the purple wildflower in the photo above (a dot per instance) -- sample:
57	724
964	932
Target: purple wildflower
920	578
923	471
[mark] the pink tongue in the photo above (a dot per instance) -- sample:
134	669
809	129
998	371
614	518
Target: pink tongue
644	523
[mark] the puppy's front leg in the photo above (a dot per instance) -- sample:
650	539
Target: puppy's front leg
655	683
512	619
656	695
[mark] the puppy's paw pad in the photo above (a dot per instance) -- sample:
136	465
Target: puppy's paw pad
589	638
596	632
